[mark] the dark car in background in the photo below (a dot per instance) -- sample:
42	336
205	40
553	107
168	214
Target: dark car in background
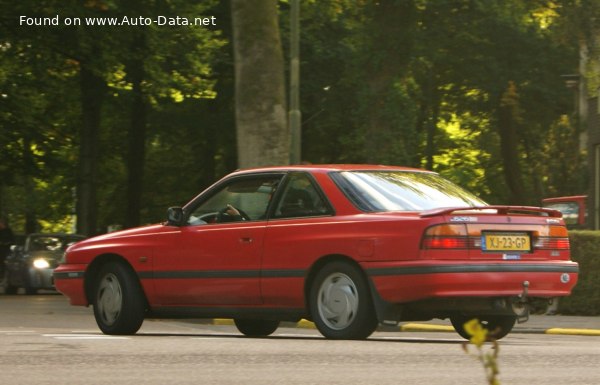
30	265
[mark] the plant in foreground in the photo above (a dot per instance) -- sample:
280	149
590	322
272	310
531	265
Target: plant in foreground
479	336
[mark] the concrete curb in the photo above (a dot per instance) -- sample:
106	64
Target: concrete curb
423	327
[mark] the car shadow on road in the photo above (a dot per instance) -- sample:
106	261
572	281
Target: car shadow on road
307	337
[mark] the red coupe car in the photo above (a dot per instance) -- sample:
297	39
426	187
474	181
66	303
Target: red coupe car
346	246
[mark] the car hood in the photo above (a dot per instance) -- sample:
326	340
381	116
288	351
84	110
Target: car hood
119	235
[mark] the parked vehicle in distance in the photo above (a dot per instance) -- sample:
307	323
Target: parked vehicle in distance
31	265
346	246
573	209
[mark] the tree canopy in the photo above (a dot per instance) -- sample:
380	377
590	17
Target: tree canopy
110	124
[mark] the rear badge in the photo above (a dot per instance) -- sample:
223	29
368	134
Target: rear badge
565	278
511	257
463	219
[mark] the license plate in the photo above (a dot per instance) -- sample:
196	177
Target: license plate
500	242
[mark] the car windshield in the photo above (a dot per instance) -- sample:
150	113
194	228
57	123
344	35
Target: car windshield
51	243
402	191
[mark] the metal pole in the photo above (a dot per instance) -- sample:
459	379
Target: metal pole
295	116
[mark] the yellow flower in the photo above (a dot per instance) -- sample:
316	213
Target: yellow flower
477	332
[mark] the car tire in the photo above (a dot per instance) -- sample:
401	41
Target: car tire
8	288
256	328
340	302
119	304
498	326
30	290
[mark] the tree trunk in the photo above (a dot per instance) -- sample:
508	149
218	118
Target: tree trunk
137	135
92	95
30	169
263	136
508	120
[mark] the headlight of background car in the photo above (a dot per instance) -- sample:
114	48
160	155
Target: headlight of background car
40	263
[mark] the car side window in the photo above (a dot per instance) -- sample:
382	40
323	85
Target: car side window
243	199
300	198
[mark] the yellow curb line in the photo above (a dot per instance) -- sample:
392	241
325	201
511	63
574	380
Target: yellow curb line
222	321
412	327
306	324
417	327
578	332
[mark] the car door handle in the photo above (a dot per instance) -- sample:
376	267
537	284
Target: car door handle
246	240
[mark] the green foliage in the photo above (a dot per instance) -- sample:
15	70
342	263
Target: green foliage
487	357
417	83
41	109
585	299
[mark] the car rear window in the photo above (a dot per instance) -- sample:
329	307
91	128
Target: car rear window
402	191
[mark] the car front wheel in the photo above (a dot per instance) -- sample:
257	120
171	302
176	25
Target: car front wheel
498	326
340	303
8	288
256	328
118	300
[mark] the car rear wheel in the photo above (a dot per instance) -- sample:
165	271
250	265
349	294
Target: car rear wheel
256	328
340	302
498	326
118	300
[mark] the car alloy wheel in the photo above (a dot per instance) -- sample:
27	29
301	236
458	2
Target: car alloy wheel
119	303
341	304
109	299
337	301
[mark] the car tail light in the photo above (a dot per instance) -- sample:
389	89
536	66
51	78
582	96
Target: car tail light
558	240
447	236
456	236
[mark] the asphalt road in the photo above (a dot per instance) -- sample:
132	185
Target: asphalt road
43	340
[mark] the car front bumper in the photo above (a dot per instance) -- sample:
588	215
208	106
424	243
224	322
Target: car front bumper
69	280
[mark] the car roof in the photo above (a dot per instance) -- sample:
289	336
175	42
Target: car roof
328	168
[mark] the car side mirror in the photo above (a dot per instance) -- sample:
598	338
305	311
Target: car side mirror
175	216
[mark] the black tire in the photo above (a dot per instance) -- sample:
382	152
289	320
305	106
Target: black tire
119	304
8	288
256	328
340	303
30	290
498	326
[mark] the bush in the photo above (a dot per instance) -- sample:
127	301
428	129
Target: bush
585	250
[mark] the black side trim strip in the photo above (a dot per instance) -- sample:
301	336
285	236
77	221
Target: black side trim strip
283	273
69	275
480	268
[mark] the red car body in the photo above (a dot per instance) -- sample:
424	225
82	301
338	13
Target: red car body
347	264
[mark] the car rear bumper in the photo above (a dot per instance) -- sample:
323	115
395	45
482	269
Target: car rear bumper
410	281
69	280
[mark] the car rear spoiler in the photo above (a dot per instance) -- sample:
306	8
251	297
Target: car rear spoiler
500	210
